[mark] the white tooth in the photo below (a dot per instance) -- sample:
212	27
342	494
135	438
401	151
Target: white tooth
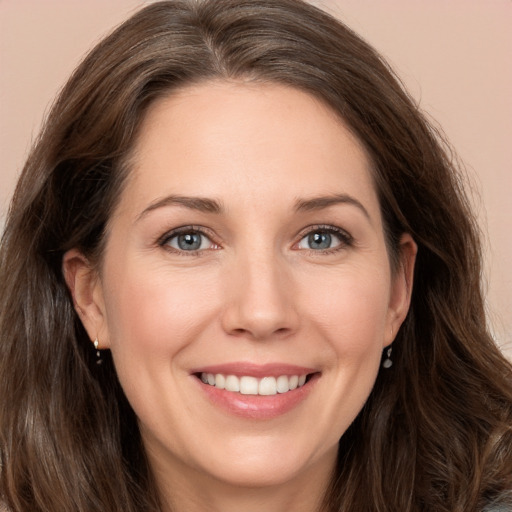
249	385
220	381
268	386
283	384
232	383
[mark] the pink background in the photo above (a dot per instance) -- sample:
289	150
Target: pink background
454	56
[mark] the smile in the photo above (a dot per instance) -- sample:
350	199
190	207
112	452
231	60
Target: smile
253	391
249	385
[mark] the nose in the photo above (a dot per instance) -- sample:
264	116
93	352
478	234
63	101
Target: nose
260	299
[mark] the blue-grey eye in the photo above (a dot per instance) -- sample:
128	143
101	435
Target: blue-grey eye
190	241
319	240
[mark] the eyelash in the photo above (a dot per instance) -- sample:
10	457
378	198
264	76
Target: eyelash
345	239
185	230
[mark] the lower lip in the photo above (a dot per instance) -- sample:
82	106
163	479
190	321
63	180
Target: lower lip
258	407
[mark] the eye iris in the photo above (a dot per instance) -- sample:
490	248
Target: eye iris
319	240
189	241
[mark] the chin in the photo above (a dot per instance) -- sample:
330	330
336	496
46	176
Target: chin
267	464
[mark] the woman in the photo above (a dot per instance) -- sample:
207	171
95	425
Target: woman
231	280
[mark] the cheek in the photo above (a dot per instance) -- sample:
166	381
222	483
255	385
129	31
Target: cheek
153	310
352	321
154	318
352	313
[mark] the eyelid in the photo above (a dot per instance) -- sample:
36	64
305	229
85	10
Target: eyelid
163	240
346	239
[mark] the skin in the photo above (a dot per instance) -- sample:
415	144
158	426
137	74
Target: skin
257	291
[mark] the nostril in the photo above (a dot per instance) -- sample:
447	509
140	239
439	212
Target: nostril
261	333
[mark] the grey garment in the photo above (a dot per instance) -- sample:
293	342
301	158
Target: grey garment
501	504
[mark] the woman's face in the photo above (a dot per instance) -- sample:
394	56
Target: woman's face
247	251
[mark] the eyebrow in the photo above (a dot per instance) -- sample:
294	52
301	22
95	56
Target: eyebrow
321	202
206	205
201	204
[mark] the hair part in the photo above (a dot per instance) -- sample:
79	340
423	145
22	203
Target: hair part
435	434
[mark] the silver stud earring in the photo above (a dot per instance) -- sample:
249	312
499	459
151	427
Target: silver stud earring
387	363
98	354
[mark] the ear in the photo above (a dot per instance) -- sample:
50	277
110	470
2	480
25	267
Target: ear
401	287
85	286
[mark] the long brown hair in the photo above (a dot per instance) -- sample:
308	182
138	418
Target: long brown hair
436	432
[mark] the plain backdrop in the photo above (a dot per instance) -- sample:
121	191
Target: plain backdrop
453	55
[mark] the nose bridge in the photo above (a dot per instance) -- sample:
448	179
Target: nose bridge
260	301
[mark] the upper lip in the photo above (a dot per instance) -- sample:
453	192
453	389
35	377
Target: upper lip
255	370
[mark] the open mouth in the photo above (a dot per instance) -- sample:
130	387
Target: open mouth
256	392
250	385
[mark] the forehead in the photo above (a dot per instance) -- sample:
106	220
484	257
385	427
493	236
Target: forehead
240	140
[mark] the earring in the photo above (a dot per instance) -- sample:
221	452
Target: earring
98	354
387	363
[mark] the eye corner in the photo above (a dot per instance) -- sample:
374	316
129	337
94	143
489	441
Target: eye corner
328	239
188	241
